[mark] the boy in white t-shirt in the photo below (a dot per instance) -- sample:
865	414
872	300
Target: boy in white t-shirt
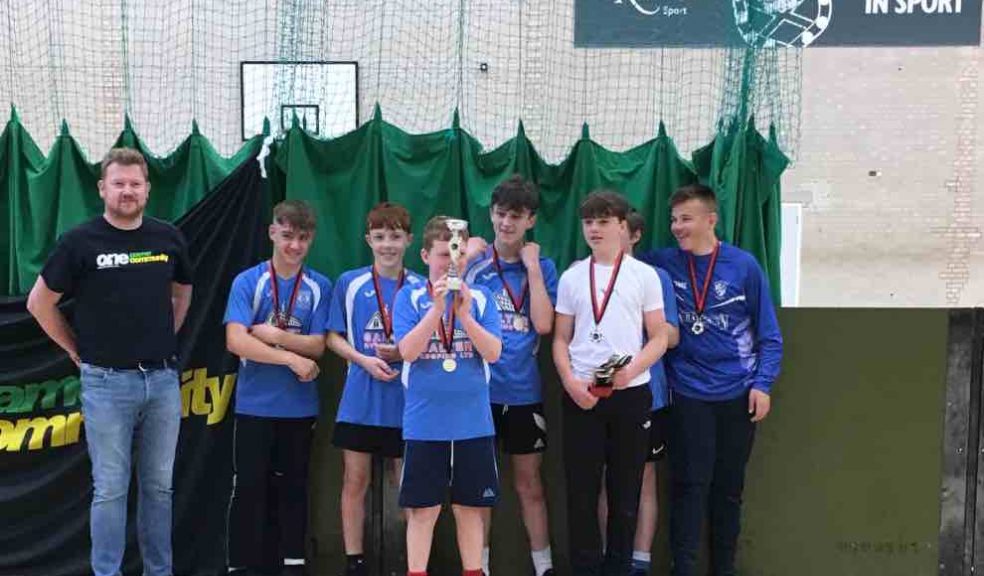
603	304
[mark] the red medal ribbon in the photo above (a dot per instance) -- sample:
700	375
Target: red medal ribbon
384	312
283	320
701	299
517	304
446	331
599	314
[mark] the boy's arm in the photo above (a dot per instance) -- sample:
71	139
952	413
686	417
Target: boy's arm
311	345
768	342
241	343
374	365
541	304
670	309
576	388
474	248
652	351
308	345
484	338
654	321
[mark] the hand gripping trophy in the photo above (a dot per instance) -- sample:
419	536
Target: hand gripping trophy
604	375
457	246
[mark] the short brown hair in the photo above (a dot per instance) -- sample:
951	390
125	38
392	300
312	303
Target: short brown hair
123	157
695	192
437	230
517	194
604	204
388	215
635	221
296	214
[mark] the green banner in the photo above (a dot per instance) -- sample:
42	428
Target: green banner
767	23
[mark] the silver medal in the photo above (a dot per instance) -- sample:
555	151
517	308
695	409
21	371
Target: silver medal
698	327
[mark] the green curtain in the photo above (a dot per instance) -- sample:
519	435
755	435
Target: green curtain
443	172
19	157
745	169
448	172
42	197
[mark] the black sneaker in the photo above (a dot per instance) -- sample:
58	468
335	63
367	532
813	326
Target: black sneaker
360	568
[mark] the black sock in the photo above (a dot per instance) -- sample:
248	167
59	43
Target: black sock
356	563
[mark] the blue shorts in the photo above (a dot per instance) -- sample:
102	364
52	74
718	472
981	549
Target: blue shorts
465	467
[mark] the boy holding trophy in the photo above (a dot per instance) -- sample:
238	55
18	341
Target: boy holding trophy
447	333
603	304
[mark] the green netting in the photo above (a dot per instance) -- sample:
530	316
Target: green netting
167	64
483	67
446	171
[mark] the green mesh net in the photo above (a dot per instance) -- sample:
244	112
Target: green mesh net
166	64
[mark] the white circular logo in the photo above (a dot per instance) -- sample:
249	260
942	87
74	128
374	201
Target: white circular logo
793	23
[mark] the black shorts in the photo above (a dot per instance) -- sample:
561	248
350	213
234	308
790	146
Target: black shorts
657	434
520	429
378	440
465	467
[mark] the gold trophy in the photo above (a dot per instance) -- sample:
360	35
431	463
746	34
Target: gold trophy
457	246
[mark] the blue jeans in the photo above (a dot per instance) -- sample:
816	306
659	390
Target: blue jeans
710	443
120	408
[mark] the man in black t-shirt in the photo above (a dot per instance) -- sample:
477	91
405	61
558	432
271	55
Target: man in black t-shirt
131	280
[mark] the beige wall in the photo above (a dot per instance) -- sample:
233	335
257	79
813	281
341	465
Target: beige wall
909	235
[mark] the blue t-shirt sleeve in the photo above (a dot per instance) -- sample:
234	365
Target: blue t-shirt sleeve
404	315
239	308
337	322
654	258
646	256
768	336
550	278
669	298
489	318
319	321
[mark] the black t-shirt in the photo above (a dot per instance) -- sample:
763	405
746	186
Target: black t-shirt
121	282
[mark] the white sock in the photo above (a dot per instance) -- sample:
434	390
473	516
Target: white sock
642	556
542	560
485	561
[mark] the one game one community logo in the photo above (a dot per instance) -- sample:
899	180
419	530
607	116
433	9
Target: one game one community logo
124	259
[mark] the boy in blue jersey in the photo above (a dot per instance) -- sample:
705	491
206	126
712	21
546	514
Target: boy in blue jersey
604	305
646	523
721	376
275	321
648	502
447	340
370	414
524	286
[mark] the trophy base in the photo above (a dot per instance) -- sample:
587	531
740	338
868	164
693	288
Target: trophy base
454	284
601	391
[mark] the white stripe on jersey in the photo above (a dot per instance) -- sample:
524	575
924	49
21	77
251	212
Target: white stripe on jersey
315	291
479	266
353	291
258	293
